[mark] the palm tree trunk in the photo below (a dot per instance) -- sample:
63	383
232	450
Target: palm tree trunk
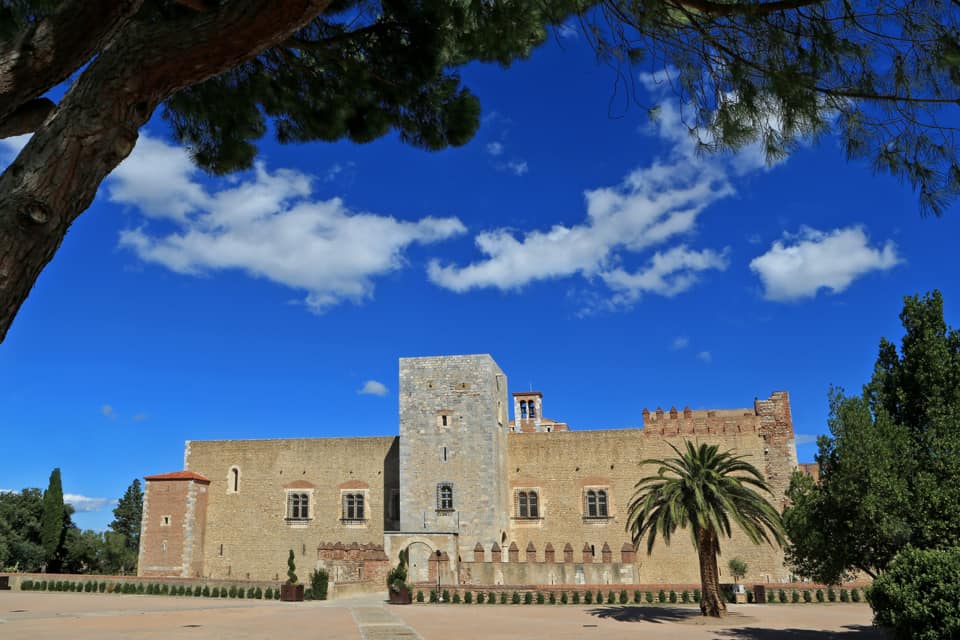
711	600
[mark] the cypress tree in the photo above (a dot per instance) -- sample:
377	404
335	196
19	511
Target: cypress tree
53	523
127	517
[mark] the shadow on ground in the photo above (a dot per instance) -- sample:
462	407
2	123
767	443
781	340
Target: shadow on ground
644	614
851	632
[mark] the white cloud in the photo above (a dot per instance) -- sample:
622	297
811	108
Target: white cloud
140	417
516	167
108	411
807	438
568	31
681	342
705	356
10	147
799	266
373	388
652	206
265	224
494	148
85	504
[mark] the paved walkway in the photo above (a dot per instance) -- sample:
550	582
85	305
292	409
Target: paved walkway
41	616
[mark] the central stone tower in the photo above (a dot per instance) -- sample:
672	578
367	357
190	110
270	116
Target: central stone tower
453	449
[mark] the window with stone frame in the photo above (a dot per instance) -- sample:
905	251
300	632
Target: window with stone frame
596	503
354	506
298	506
527	504
445	496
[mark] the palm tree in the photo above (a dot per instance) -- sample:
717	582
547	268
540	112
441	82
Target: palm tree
704	490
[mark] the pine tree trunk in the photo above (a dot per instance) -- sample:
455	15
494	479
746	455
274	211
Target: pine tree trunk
56	176
711	600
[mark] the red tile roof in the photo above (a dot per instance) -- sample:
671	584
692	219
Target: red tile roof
179	475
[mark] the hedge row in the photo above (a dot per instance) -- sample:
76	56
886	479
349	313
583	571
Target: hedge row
151	589
621	597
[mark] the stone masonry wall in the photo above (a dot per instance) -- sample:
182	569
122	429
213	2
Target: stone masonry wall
172	525
247	533
469	394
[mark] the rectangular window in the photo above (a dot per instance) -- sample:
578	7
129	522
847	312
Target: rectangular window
528	504
353	506
298	506
445	496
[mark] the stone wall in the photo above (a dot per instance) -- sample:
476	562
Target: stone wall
453	428
173	525
248	533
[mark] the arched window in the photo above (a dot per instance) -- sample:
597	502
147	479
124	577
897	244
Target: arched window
522	505
445	496
523	408
533	409
534	508
235	479
596	504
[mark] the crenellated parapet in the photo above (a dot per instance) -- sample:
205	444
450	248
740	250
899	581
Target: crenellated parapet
770	417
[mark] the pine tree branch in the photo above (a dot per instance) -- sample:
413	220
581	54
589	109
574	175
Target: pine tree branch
46	52
717	9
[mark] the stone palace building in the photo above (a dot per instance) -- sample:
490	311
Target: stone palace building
517	502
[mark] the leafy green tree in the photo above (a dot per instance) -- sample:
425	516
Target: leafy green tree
738	568
20	515
127	516
220	70
83	551
704	490
54	523
890	469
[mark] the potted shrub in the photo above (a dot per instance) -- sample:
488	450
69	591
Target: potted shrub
291	591
397	585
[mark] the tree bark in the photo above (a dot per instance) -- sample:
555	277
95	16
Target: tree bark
56	176
711	600
45	53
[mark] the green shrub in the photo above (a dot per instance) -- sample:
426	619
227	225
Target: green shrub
320	583
26	585
139	588
553	598
150	588
782	596
806	596
540	598
446	596
103	587
919	595
673	597
637	597
749	597
599	597
43	585
216	592
433	595
685	596
206	591
623	596
831	595
197	591
696	595
232	591
456	597
252	593
661	596
819	595
855	595
491	598
503	597
844	595
276	594
563	597
771	597
515	598
794	596
480	597
588	597
576	597
649	597
419	596
468	597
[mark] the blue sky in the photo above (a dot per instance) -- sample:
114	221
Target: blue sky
587	249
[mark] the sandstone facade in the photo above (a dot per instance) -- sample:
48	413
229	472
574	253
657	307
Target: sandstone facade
471	494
